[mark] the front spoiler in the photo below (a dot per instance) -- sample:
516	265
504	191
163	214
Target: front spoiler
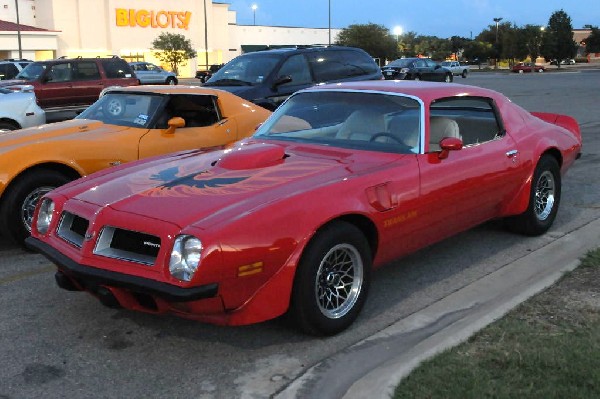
91	276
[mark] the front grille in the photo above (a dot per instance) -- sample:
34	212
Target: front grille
128	245
72	228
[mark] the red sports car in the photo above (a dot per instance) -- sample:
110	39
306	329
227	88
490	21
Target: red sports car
341	179
528	67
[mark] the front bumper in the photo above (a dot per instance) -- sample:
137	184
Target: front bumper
86	276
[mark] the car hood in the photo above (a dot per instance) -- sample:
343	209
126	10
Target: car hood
205	189
13	82
55	131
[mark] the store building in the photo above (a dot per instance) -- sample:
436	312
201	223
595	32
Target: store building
91	28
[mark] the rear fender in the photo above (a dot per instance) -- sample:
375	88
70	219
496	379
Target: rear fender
565	121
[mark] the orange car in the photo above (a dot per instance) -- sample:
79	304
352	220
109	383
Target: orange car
124	125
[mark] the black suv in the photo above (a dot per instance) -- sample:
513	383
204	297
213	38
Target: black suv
416	69
268	77
71	84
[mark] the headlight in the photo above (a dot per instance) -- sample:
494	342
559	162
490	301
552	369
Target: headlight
185	257
45	215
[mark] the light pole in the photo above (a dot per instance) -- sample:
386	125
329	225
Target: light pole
330	22
18	30
497	20
397	31
254	7
205	36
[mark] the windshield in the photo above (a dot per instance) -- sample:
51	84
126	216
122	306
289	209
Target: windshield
245	70
365	121
125	109
446	63
31	71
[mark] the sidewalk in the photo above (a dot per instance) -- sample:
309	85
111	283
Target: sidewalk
372	368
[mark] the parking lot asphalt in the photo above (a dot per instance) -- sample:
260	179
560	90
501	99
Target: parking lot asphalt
373	367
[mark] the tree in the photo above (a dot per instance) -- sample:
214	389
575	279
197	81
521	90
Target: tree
557	41
532	36
374	39
592	42
478	51
514	44
173	49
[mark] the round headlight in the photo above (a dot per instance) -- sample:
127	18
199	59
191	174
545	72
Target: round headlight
45	215
185	257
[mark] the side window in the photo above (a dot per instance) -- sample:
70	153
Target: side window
297	68
475	119
86	70
340	64
60	73
116	68
196	110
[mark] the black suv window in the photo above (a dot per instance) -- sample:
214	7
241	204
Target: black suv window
116	68
340	64
86	70
297	68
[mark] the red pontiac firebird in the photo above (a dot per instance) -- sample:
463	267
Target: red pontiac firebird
341	179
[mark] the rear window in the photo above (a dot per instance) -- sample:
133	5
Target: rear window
116	68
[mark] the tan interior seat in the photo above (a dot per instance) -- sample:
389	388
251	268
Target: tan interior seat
362	125
440	127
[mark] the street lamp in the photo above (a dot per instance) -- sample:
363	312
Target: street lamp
19	30
497	20
329	22
254	7
397	31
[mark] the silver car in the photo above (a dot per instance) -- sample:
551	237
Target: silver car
152	74
19	108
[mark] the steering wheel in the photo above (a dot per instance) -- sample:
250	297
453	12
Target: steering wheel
394	138
388	135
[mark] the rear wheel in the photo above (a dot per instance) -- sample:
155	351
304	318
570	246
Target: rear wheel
544	200
6	126
464	74
332	280
19	202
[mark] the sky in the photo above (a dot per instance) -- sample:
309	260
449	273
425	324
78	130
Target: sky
442	18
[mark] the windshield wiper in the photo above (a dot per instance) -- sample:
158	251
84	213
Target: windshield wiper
228	82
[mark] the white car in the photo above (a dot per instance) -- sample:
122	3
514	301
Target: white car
19	108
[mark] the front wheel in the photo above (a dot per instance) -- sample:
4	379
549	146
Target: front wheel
544	199
417	77
332	280
171	81
19	202
464	74
448	78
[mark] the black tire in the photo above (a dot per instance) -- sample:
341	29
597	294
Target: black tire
171	81
6	126
544	200
18	202
448	78
338	258
464	74
417	77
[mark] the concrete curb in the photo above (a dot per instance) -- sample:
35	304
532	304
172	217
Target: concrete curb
373	367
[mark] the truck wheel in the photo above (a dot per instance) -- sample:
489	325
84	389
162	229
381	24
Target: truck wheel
19	202
464	74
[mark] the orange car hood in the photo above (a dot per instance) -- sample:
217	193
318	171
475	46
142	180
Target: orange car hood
201	190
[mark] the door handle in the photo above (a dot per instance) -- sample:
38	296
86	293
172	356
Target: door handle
512	153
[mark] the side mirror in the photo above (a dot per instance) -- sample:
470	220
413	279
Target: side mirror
175	123
282	80
448	144
45	79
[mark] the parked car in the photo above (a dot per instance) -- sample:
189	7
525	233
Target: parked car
457	68
268	77
522	67
149	73
204	75
568	61
373	170
19	109
73	84
416	69
123	125
9	68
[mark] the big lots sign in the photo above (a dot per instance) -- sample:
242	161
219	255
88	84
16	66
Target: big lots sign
154	19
